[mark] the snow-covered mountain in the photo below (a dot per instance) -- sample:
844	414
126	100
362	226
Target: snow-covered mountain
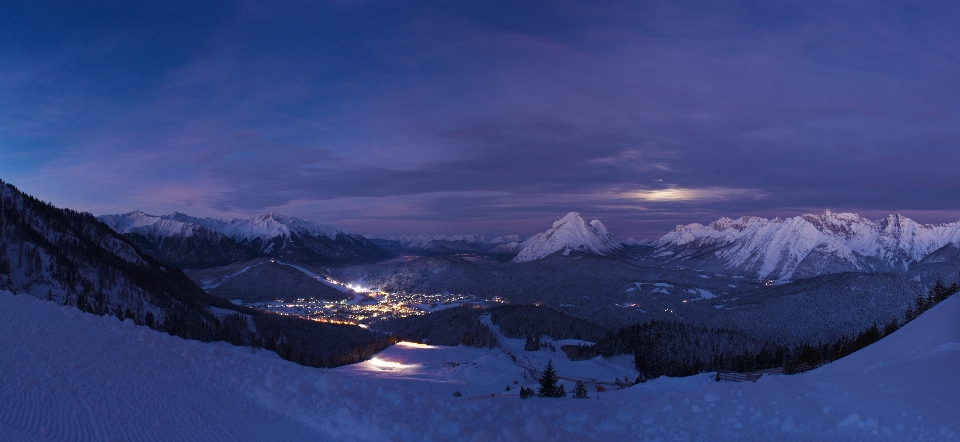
191	242
804	246
570	233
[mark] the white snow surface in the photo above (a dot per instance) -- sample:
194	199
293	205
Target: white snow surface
74	376
777	247
571	232
263	227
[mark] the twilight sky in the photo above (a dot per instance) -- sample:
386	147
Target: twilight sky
391	117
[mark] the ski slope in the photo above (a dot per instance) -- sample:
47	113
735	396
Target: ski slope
73	376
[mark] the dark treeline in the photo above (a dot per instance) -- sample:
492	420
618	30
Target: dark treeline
453	326
462	326
312	343
520	321
663	348
679	349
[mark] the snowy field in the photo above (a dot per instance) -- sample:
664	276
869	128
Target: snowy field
485	373
73	376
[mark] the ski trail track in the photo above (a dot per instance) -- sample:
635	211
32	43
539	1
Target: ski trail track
94	393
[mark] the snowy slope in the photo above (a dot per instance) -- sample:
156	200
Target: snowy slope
75	376
570	233
805	245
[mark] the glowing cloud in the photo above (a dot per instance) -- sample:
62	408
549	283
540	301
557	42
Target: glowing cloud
687	194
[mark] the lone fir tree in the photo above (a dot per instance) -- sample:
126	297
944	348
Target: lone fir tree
580	391
548	382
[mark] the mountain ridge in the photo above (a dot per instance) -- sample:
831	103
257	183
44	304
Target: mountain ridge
191	242
804	245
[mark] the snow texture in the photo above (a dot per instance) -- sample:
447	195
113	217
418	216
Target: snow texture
808	245
75	376
570	233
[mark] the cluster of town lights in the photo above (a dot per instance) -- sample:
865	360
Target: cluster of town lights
369	308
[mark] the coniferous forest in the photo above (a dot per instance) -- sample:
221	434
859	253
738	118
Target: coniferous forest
454	326
663	348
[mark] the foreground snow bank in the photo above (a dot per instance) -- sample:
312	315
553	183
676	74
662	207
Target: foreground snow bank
74	376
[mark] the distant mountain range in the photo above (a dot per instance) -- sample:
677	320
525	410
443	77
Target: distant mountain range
803	246
780	249
189	242
792	248
569	234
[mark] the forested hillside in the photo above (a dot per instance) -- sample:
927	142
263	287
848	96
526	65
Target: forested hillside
73	259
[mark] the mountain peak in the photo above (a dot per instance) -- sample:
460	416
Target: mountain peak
571	232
